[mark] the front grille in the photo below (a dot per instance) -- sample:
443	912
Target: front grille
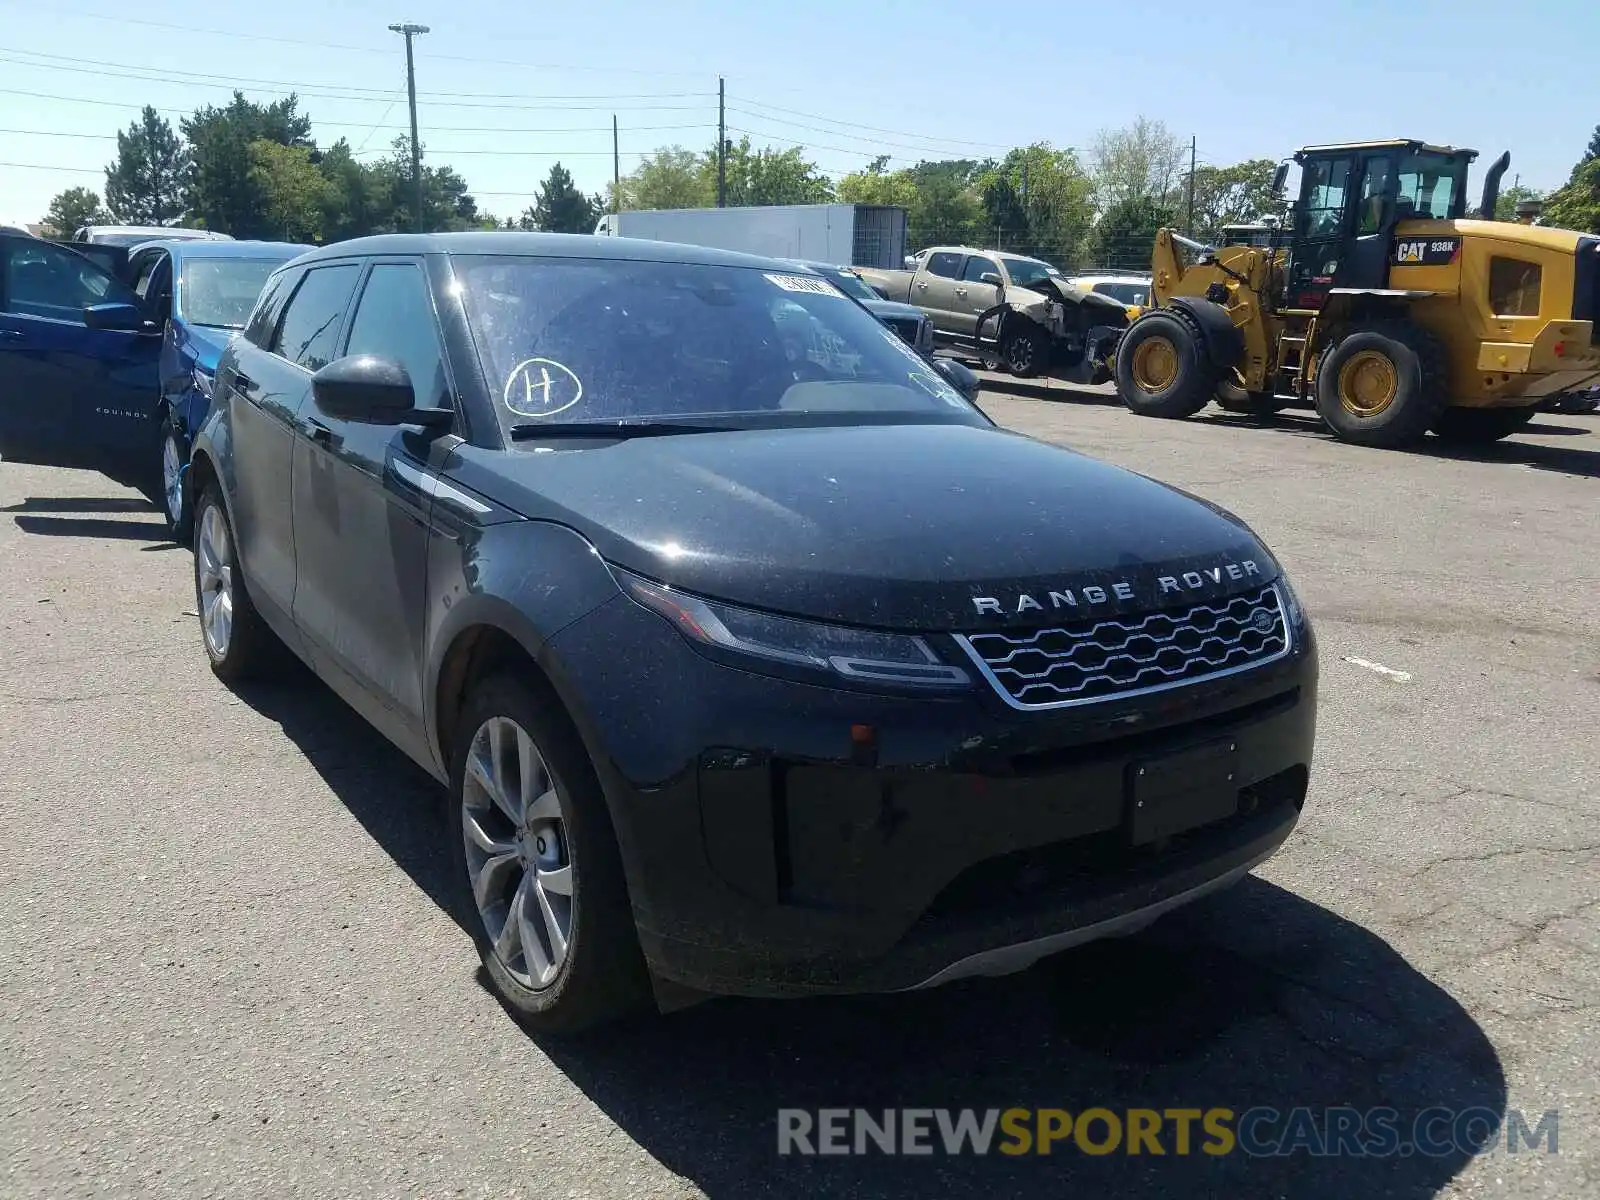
1090	661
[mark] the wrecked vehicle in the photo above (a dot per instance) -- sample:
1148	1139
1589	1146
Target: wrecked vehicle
1014	313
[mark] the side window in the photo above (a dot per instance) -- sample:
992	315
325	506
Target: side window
1374	190
311	323
44	280
978	267
944	264
269	305
1514	287
144	271
394	320
1323	189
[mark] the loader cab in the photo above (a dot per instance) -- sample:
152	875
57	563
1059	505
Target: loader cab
1351	198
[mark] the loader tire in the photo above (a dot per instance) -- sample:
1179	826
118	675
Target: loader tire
1163	369
1382	384
1480	426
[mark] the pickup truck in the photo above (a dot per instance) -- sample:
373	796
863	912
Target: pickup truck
1010	311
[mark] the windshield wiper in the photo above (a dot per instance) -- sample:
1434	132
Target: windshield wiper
531	430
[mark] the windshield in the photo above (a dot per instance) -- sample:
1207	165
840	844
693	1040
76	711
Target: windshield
850	283
1126	293
1429	186
222	291
579	340
1024	271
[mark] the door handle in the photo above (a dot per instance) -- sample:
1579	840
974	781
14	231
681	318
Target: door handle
243	382
316	430
11	335
961	291
923	286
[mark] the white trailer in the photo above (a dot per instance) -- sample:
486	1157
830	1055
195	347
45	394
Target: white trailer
846	235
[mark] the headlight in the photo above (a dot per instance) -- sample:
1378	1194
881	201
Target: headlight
862	655
203	382
1291	602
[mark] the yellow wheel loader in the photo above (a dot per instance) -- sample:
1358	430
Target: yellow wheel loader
1379	299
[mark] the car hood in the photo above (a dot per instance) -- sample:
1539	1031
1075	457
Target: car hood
892	309
895	527
205	344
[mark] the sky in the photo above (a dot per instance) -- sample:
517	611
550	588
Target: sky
507	88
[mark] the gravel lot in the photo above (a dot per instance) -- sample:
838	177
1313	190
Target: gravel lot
225	971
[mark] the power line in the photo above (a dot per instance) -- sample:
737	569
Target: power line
57	10
924	150
317	90
873	128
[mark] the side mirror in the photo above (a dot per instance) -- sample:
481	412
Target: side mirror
1279	178
373	391
911	262
991	279
958	376
126	318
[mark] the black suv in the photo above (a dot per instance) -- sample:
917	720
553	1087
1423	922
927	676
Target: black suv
756	659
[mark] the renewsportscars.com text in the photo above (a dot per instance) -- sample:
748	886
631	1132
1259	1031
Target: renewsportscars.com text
1259	1132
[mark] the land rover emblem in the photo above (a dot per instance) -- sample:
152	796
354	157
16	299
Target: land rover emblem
1263	620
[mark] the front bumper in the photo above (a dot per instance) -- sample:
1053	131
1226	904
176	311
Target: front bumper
783	838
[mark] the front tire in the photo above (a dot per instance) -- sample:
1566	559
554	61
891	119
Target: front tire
175	501
1163	369
1026	352
1234	399
537	865
237	641
1382	386
1480	426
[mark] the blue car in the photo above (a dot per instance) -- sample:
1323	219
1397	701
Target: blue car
201	292
106	354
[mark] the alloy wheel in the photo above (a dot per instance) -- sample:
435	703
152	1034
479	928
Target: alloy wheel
213	565
518	854
172	477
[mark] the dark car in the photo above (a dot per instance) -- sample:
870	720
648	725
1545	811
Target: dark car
755	658
107	353
78	363
909	321
200	293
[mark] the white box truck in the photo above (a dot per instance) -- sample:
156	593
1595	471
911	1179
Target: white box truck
846	235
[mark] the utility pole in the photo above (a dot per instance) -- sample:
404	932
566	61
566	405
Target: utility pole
616	168
722	143
1191	184
410	31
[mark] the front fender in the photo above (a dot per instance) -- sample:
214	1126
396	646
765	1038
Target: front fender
1223	341
526	580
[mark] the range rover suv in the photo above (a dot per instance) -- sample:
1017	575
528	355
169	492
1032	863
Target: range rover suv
754	657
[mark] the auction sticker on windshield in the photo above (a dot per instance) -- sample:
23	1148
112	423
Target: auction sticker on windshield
805	283
541	387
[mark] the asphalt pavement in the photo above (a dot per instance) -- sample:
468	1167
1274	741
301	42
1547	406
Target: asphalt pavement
224	969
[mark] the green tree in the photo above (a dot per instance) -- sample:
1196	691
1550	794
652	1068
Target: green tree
222	195
948	206
766	176
1505	206
879	185
147	182
74	208
292	190
1125	238
1040	201
670	178
1228	195
1594	146
560	207
356	199
1142	161
447	202
1576	205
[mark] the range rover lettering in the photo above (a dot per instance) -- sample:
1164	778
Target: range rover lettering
753	657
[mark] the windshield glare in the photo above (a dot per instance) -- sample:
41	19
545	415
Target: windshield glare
576	340
1024	271
222	291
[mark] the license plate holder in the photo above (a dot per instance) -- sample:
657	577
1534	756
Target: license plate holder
1179	792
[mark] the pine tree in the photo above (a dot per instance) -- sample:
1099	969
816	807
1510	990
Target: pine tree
146	184
561	208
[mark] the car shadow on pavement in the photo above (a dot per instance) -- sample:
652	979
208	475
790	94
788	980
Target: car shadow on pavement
1025	389
81	504
94	527
1251	999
